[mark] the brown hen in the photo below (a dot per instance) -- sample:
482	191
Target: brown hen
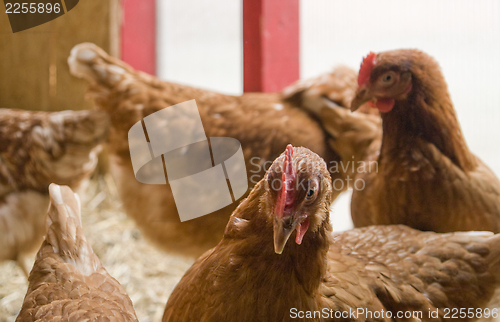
37	148
264	123
68	282
426	177
381	270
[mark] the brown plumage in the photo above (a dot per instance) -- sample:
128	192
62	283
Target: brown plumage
426	178
390	268
37	148
353	136
264	123
338	86
356	137
68	282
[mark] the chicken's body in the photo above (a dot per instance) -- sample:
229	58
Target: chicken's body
264	123
68	282
426	178
420	187
37	148
389	268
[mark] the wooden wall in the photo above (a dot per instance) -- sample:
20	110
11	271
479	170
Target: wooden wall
34	73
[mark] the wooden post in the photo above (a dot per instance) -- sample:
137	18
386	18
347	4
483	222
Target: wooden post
270	44
34	62
139	34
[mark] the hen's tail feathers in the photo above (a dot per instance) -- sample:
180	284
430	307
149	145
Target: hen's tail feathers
327	97
64	230
339	86
83	127
93	64
353	135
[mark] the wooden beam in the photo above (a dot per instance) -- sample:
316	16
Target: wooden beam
139	34
270	44
34	64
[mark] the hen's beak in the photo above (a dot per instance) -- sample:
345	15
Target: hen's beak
283	228
363	95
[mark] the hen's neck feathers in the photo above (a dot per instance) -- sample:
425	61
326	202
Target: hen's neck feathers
250	234
427	113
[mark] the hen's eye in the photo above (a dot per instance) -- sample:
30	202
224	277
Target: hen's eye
388	78
312	191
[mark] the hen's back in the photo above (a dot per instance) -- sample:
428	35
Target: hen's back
412	271
68	282
37	148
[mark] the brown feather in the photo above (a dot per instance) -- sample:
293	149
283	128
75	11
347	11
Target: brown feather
68	282
264	123
390	268
427	178
37	148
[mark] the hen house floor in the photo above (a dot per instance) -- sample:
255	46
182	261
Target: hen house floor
148	275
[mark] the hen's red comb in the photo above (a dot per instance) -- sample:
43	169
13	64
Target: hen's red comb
287	179
366	68
288	160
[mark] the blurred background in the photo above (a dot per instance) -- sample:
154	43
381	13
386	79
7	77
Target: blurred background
200	43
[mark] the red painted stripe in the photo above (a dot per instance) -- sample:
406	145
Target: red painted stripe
138	34
270	44
252	46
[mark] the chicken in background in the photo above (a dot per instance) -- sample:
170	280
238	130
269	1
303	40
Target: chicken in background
256	274
37	148
338	86
426	178
264	123
68	282
356	137
353	136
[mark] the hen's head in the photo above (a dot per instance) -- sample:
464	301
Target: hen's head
299	194
391	76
